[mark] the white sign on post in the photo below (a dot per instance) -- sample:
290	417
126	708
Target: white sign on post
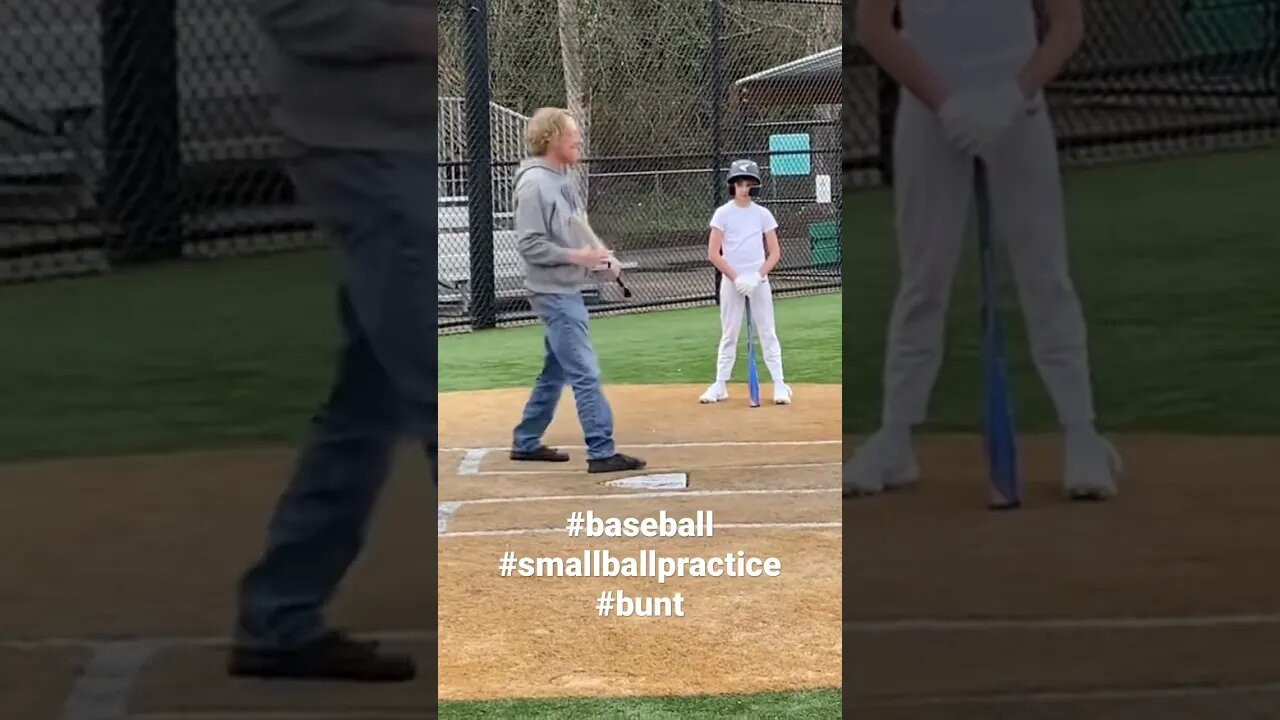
822	187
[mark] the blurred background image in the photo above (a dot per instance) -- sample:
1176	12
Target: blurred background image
1152	605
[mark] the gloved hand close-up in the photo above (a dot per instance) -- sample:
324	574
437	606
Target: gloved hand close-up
747	283
974	120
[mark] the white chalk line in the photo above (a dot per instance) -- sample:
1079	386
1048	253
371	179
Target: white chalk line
470	463
673	468
163	642
1071	696
104	687
1063	623
447	510
444	514
696	444
644	495
718	526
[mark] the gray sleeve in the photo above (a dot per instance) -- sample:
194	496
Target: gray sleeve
347	30
531	229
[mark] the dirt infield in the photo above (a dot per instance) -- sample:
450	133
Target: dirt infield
118	580
769	475
1161	604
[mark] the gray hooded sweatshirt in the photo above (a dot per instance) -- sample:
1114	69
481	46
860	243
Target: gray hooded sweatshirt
545	199
354	74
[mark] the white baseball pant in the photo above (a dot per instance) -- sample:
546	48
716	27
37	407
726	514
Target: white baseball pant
732	309
933	193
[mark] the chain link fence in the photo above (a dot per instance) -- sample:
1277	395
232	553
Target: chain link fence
667	93
1154	78
134	130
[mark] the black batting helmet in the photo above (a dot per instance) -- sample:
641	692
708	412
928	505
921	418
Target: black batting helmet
744	169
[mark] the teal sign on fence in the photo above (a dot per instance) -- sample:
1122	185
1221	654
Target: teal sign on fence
789	154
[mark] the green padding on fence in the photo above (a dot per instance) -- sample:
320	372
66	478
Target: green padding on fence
1225	26
824	242
785	158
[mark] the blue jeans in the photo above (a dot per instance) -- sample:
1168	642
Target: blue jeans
377	206
570	360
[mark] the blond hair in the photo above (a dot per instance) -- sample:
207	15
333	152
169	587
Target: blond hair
547	124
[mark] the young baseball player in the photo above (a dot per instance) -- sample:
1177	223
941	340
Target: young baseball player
972	74
743	245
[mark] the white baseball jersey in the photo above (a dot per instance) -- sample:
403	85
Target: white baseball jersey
744	229
971	41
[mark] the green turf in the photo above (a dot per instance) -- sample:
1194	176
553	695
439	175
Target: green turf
1175	263
677	346
803	705
239	352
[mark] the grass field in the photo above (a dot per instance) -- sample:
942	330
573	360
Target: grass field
1175	263
824	704
240	352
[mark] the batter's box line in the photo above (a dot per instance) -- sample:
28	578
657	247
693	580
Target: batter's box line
473	457
161	643
718	526
1062	623
695	444
446	510
667	469
641	495
1068	696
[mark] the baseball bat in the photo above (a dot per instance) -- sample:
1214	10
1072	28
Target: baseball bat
753	375
596	242
999	433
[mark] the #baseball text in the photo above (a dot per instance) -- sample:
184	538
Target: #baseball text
702	524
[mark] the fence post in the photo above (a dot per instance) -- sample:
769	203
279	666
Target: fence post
887	101
715	98
479	168
887	104
141	192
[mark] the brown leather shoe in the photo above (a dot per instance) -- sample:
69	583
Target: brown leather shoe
335	656
542	454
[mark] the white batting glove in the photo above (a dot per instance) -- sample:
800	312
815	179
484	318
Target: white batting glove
747	283
974	120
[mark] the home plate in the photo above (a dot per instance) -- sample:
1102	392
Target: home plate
658	481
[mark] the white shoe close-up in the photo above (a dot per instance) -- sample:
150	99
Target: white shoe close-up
714	394
1090	467
782	394
880	464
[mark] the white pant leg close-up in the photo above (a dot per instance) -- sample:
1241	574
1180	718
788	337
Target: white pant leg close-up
767	330
732	309
1028	217
933	189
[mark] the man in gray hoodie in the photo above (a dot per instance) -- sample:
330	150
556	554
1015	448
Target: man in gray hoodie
559	262
354	82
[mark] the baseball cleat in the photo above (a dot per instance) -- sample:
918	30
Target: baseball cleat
881	463
781	394
715	393
1090	467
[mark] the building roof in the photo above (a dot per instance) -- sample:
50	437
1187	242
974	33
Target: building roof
810	80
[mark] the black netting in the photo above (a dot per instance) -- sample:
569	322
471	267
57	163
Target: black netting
1154	78
668	93
132	131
